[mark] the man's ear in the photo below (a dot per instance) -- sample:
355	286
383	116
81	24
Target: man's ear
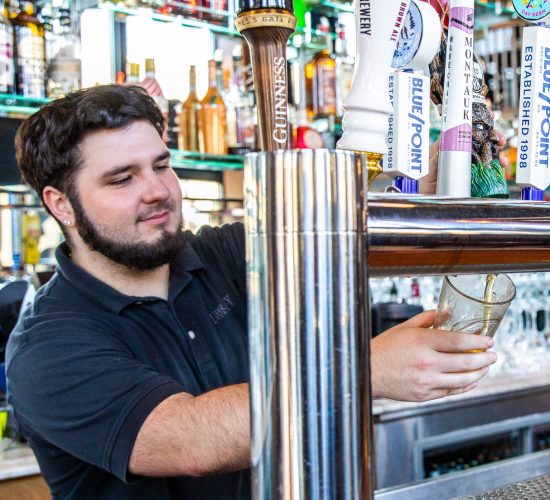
59	205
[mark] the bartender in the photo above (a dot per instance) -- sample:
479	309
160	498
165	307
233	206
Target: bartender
128	375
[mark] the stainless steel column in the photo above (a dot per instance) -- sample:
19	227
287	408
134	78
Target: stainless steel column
308	328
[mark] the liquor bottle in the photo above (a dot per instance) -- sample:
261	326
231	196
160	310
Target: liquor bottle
416	296
303	135
344	69
151	85
30	52
132	76
240	108
7	75
321	78
215	11
64	70
31	230
189	116
212	119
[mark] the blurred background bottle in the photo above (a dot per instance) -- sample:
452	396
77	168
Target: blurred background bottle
240	109
7	77
30	52
212	116
132	74
64	68
344	69
320	74
188	138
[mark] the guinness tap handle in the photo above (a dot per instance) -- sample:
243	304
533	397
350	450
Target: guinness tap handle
267	25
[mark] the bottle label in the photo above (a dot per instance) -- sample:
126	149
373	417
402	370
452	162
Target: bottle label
31	66
245	126
328	85
6	59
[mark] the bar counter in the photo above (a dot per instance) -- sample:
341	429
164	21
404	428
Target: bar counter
503	404
18	462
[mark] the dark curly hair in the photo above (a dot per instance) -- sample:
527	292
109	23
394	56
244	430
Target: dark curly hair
46	144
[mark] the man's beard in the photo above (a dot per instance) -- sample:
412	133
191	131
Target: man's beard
135	255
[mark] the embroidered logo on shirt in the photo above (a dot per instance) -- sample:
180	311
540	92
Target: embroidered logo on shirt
221	311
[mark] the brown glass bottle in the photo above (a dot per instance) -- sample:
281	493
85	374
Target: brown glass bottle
30	52
212	119
320	75
188	138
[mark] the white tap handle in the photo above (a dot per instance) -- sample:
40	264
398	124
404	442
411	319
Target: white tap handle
366	109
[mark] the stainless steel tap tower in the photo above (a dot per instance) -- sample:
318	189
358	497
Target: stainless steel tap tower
307	324
311	233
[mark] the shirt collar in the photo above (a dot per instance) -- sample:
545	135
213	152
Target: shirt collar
110	299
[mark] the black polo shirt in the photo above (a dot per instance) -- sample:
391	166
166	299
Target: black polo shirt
87	365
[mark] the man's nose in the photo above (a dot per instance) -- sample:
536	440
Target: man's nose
155	189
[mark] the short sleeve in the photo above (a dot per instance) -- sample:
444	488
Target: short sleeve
78	387
228	244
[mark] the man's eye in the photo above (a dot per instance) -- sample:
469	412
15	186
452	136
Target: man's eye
161	167
121	181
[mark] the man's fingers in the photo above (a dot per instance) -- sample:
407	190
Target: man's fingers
461	390
422	320
445	341
460	380
449	384
459	363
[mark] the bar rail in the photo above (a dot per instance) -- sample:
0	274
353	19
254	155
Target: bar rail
431	236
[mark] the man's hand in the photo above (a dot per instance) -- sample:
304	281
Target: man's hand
411	362
428	183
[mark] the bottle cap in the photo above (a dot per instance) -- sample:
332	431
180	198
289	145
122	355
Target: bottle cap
149	65
134	69
246	5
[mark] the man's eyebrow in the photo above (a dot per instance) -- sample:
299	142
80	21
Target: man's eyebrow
163	156
121	169
116	171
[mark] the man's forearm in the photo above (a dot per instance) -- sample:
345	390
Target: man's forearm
195	436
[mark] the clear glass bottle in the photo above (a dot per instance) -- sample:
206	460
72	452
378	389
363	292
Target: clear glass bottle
30	52
240	109
152	86
321	78
7	74
344	69
64	69
188	137
212	117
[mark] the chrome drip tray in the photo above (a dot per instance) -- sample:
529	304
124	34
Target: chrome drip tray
533	489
